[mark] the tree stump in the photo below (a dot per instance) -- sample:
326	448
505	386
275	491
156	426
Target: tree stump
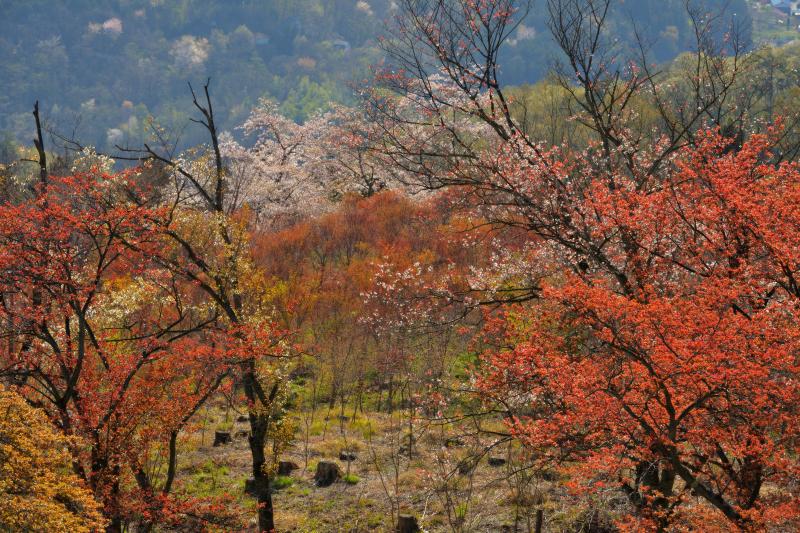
348	456
548	475
285	467
222	437
250	486
407	444
327	474
496	461
407	524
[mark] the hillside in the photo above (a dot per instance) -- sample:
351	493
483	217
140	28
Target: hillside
101	68
480	269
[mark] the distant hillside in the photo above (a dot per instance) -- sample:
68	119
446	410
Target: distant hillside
105	66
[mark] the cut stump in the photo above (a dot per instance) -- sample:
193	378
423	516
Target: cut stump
285	467
327	474
222	437
407	524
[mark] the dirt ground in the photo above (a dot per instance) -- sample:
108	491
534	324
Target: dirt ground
446	482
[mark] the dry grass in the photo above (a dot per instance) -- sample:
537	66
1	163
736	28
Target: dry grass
485	498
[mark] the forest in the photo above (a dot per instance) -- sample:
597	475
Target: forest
420	265
103	67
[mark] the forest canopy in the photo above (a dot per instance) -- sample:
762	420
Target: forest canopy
101	68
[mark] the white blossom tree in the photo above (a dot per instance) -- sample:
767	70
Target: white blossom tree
295	170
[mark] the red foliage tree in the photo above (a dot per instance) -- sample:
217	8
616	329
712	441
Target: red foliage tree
661	354
366	283
110	344
673	370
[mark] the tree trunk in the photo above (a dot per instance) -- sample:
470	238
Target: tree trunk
261	481
115	526
259	424
390	397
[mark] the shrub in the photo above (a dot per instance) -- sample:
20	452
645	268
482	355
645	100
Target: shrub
351	479
282	482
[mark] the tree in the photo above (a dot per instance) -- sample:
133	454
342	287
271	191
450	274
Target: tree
676	377
99	335
281	176
299	170
207	227
38	488
627	237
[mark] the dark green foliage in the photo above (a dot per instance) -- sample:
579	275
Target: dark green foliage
8	148
105	66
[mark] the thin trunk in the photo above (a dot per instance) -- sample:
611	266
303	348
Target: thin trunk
259	426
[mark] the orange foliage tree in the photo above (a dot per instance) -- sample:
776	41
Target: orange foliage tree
112	346
38	488
672	372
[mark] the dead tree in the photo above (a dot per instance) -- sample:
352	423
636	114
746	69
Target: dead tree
38	142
